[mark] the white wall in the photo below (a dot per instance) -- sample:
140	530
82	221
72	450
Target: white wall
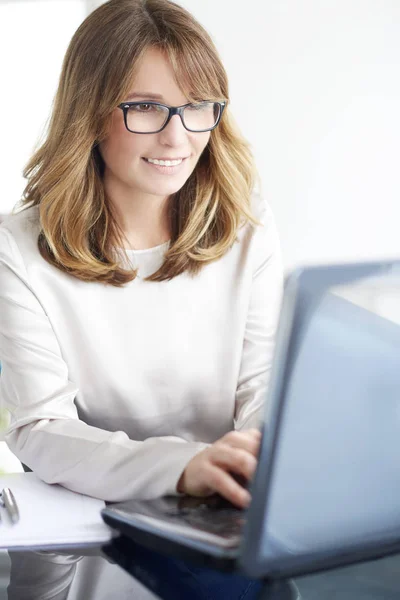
34	35
314	85
316	89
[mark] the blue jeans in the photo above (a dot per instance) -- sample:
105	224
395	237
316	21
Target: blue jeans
172	578
184	580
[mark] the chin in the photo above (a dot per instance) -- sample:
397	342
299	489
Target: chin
164	190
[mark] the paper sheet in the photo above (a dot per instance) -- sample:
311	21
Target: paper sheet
50	515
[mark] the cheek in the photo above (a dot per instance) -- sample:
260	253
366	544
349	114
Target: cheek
201	141
120	148
119	144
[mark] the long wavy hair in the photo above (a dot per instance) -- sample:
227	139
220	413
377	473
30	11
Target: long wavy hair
79	233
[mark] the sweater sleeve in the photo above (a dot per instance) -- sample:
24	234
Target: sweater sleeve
262	318
45	432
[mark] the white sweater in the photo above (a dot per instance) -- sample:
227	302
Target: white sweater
113	390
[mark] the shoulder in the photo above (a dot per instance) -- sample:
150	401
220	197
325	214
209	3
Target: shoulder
19	234
264	233
24	223
262	240
258	244
260	209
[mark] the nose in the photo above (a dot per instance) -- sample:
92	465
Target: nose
174	133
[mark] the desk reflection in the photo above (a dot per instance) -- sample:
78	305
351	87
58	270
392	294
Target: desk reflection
58	576
145	575
125	570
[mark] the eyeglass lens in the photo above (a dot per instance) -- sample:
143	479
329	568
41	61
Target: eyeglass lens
146	118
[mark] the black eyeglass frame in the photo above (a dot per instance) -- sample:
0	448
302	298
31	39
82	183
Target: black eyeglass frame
172	110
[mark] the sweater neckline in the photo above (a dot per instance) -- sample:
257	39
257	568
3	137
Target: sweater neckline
131	251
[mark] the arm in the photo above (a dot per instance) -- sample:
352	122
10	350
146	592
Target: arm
45	432
262	318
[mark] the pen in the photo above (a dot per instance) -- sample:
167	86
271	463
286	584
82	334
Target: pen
8	501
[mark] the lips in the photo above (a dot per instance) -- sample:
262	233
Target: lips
177	158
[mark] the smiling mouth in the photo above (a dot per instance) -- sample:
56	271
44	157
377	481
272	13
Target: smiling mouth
164	159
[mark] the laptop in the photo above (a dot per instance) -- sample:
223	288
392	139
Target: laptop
326	491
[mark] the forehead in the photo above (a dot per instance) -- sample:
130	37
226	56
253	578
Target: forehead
155	77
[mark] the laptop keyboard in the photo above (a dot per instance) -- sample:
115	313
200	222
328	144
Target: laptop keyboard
226	521
188	515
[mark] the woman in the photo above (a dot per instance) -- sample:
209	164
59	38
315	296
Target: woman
139	296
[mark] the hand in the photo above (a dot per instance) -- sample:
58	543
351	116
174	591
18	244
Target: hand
217	468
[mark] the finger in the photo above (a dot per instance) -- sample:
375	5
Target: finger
245	440
252	434
234	459
252	431
227	487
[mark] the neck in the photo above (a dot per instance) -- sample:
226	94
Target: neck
142	217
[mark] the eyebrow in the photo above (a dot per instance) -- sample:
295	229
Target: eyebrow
147	95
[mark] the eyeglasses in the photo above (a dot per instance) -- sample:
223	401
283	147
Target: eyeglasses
152	117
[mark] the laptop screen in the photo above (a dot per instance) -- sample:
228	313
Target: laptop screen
334	479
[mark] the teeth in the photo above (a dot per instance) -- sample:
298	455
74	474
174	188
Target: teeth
165	163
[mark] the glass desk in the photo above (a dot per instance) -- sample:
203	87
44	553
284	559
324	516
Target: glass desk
86	574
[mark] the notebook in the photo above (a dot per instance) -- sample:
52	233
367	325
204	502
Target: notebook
50	515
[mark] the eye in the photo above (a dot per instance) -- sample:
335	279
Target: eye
143	107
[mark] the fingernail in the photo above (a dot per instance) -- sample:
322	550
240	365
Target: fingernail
246	499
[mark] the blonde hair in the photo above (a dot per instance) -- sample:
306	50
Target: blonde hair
79	232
